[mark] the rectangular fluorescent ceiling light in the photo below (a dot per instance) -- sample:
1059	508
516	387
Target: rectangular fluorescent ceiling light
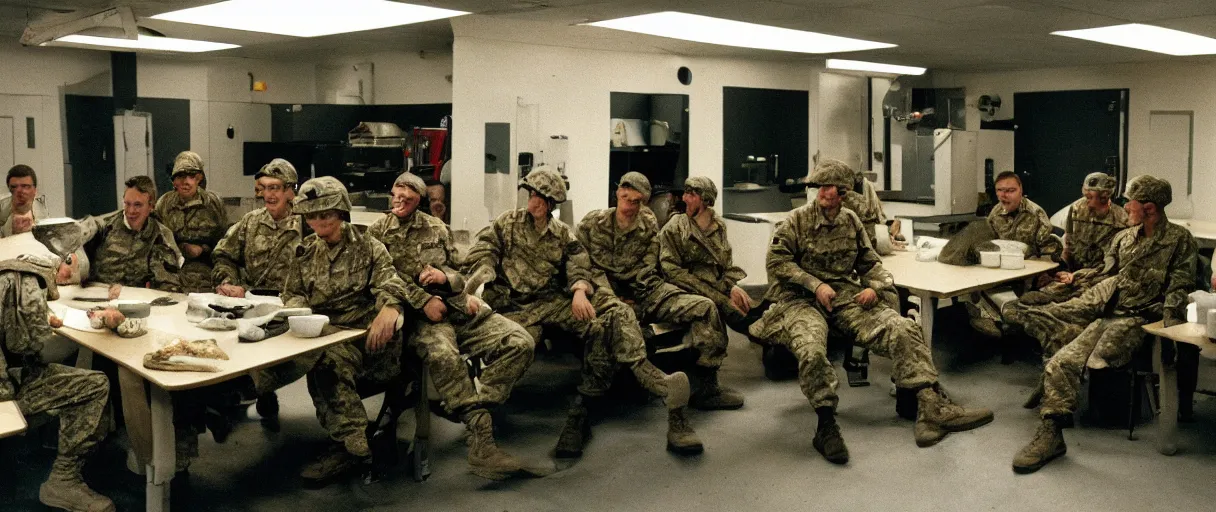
877	67
704	29
307	18
167	44
1147	37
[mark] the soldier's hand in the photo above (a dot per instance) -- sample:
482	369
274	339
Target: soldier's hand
472	305
54	321
435	309
431	275
740	300
868	297
115	290
23	223
381	329
824	294
581	307
1064	277
192	251
230	290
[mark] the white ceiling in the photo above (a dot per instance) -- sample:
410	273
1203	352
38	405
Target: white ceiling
958	35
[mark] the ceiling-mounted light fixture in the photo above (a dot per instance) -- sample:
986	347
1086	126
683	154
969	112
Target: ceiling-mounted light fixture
704	29
1147	37
307	18
142	42
877	67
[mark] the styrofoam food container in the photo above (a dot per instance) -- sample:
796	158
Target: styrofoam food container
990	259
1013	260
307	326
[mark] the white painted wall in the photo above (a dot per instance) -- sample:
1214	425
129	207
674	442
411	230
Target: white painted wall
1160	86
571	88
843	124
404	78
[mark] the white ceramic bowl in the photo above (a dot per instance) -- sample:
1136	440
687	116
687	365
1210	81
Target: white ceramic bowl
990	259
307	326
1013	260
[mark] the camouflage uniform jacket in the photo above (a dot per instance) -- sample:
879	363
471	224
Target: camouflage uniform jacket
626	261
199	221
1028	224
699	262
867	208
519	265
350	281
809	249
24	314
1151	276
258	251
1088	234
123	256
415	243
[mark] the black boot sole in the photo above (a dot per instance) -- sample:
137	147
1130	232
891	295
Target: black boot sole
1026	470
686	450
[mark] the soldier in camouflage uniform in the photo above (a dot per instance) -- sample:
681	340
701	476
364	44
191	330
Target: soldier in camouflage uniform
822	269
426	260
77	396
130	246
1149	271
340	272
537	274
197	218
254	256
695	255
623	246
1020	219
22	208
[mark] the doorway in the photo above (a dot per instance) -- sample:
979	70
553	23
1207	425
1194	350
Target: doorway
1062	136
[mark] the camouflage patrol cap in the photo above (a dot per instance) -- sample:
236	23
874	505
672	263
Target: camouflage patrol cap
1099	182
702	186
320	194
546	182
637	181
1149	189
411	181
279	169
832	172
187	162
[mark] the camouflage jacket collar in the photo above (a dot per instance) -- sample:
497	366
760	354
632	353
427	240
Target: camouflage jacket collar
1159	236
1022	206
349	238
610	224
820	219
151	226
291	221
550	227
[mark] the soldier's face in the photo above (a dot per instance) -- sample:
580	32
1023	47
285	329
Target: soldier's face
326	224
186	185
437	198
1135	212
1096	200
67	270
1009	193
405	201
693	203
538	206
628	202
258	189
23	191
829	197
277	196
136	207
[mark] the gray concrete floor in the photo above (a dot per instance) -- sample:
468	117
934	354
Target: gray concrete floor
757	458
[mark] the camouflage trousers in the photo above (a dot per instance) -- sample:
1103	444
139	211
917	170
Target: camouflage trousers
196	277
1058	292
707	331
333	384
1055	324
79	396
503	346
1105	342
613	337
801	325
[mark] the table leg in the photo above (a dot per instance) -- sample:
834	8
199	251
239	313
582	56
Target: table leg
162	466
136	415
1167	421
84	358
928	308
422	428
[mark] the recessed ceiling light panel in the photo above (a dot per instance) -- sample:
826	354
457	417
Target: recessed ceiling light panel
167	44
307	18
704	29
877	67
1147	37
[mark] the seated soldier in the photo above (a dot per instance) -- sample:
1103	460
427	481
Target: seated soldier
22	208
255	256
537	274
197	218
29	273
623	246
130	247
820	266
1092	223
339	272
426	260
1149	271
